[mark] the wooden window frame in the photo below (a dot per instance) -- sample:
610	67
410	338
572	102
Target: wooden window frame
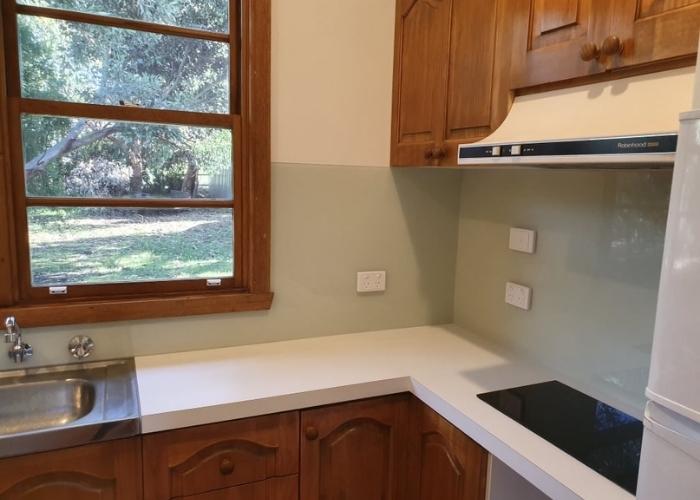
249	121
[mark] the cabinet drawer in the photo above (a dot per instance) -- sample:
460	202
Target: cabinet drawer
189	462
278	488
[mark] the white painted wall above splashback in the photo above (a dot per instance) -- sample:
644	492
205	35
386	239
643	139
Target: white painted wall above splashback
332	70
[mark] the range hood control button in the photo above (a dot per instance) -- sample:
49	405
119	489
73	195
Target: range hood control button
515	149
496	151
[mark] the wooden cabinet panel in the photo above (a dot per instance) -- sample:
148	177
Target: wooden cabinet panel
443	79
447	465
103	471
471	71
189	462
277	488
654	30
556	32
355	451
420	71
650	32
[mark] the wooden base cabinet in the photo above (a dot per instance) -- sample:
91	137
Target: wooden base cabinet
103	471
243	459
356	451
276	488
393	448
447	465
386	448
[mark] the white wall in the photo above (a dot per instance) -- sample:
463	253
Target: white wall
594	276
332	64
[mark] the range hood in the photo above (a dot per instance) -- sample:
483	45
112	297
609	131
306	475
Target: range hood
631	122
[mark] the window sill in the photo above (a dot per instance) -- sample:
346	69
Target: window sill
98	311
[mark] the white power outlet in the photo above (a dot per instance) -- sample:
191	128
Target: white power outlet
518	296
371	281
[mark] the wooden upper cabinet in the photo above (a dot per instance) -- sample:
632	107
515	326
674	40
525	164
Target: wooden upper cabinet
199	461
103	471
470	93
355	451
420	71
446	465
552	34
653	30
559	40
443	78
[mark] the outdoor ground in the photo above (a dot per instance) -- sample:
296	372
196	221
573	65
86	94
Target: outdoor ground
79	245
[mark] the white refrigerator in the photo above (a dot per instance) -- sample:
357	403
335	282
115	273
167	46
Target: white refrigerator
670	461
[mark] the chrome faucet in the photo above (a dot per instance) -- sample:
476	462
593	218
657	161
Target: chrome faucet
19	350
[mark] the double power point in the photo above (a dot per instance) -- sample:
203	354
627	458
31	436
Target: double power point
371	281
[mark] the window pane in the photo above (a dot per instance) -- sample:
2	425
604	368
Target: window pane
211	15
77	62
70	246
72	157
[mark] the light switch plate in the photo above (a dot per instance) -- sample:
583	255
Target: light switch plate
371	281
522	240
519	296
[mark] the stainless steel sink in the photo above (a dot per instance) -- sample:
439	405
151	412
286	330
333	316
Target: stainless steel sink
56	407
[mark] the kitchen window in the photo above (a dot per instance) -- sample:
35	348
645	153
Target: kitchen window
135	159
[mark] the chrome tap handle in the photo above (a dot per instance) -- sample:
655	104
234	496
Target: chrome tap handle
12	329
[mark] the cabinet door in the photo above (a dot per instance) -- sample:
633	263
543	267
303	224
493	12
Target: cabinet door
470	83
655	30
550	48
447	464
420	71
197	460
103	471
355	451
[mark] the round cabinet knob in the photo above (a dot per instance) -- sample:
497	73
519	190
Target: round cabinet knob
311	433
612	45
226	467
428	155
81	346
439	153
589	51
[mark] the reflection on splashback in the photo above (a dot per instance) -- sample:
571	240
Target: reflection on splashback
594	276
629	235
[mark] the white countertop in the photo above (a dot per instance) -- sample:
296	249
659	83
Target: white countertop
442	365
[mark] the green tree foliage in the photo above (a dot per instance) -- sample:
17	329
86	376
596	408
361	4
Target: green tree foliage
77	62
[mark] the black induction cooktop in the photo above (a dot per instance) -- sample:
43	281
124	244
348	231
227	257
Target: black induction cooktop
602	437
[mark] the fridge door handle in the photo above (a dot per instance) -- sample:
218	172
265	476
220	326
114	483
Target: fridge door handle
688	442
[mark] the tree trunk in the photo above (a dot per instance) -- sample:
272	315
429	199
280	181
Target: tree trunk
190	181
136	164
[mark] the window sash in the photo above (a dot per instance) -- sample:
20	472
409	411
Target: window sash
120	22
18	105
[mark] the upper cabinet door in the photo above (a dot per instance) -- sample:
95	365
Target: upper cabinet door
420	71
655	30
561	39
471	73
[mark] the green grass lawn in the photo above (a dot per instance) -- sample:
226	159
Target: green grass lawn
95	245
